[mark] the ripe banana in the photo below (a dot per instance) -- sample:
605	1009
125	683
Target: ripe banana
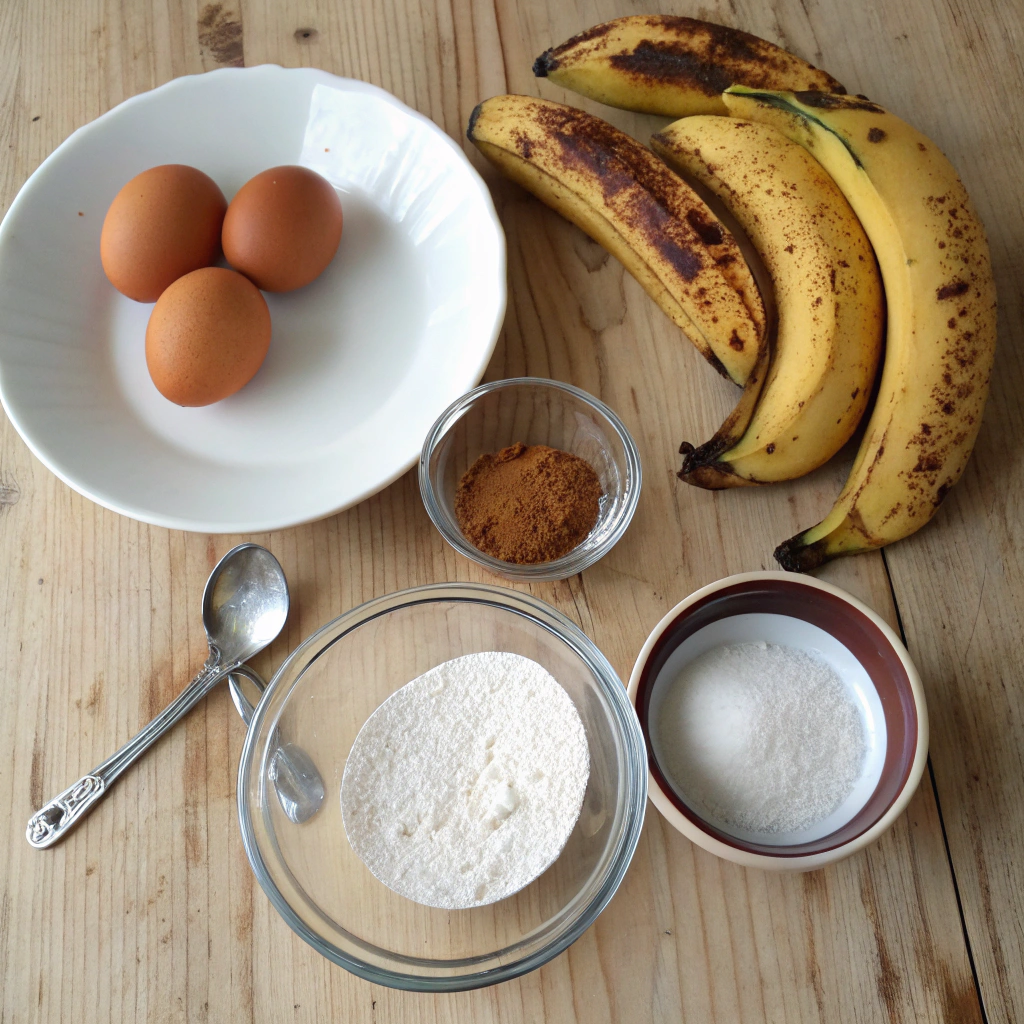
831	311
941	300
626	199
659	64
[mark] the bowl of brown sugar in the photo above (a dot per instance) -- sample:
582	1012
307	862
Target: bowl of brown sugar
531	478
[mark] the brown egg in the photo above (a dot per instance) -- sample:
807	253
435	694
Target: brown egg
163	224
283	228
208	334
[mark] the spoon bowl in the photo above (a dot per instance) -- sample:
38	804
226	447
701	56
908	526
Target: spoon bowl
245	603
299	785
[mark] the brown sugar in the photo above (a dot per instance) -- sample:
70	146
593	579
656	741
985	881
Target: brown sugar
528	503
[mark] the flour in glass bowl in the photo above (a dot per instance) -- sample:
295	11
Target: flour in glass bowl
761	736
465	784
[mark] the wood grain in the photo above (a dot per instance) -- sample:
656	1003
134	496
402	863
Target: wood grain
150	911
960	582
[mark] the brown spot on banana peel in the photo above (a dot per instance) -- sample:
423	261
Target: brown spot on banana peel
952	290
836	101
586	142
666	61
710	232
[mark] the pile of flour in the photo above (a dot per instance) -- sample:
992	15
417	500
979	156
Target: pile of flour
464	785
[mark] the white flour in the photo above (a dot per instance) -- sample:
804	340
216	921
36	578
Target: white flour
761	736
464	785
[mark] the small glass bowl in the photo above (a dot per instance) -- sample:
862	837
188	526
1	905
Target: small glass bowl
320	698
533	410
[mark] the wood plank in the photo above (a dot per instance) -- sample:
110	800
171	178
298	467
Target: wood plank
150	911
960	582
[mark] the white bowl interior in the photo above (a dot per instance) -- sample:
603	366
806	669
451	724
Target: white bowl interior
362	360
803	635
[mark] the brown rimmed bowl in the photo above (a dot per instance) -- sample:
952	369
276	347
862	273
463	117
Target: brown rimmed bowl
800	611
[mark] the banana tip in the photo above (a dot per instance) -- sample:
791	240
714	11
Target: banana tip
699	470
795	556
704	456
545	63
473	118
686	450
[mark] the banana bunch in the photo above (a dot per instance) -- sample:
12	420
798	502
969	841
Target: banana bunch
828	296
660	64
817	180
941	332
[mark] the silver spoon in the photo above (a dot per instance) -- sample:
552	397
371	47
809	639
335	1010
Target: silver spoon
245	605
300	789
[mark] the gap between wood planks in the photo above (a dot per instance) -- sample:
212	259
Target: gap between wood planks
942	820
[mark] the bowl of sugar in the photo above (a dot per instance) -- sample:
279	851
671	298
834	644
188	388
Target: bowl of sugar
485	785
785	724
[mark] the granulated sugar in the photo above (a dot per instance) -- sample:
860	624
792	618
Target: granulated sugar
761	736
464	785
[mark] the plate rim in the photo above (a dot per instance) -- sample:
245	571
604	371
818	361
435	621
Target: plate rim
196	524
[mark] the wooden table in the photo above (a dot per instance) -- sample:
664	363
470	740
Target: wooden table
150	912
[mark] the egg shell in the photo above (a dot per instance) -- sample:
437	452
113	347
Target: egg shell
283	227
163	224
207	336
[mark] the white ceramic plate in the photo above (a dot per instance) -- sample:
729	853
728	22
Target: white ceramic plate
362	361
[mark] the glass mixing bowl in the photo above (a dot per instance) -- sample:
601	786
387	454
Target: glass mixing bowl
320	698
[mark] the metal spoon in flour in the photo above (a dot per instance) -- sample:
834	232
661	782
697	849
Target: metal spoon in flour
245	605
300	789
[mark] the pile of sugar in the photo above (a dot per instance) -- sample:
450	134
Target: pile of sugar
464	785
761	737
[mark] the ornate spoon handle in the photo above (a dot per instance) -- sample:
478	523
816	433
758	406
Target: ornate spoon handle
55	819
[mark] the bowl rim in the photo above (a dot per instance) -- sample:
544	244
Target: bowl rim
635	751
126	505
558	568
782	862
